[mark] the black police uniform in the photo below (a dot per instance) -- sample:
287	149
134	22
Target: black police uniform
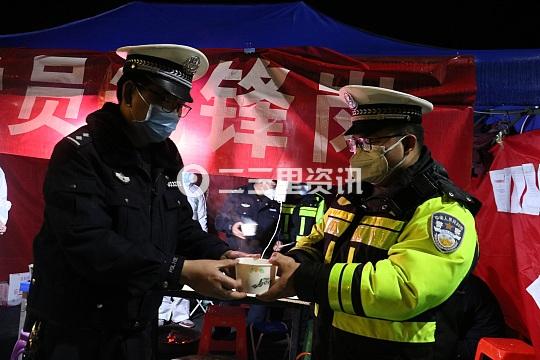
239	207
470	314
116	232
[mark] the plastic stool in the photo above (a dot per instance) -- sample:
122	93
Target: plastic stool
18	349
224	316
504	349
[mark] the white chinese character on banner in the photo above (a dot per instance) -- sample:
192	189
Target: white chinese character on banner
263	83
110	95
44	72
343	118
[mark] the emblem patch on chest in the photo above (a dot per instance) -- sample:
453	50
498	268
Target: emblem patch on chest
123	178
446	232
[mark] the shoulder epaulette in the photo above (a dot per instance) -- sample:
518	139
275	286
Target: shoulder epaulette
79	137
452	191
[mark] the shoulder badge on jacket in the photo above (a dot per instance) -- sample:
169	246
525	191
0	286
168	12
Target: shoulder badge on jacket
446	232
80	137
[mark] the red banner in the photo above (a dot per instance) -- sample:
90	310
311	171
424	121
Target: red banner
276	110
509	229
253	114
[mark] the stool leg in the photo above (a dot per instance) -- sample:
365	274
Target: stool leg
287	353
252	339
206	338
478	355
241	341
259	342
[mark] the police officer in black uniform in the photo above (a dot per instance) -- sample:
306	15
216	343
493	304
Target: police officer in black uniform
117	229
252	203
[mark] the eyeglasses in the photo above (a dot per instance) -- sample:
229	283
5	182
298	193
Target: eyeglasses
364	143
167	103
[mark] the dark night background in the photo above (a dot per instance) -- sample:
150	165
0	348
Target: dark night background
450	24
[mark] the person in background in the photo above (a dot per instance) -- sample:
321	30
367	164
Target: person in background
5	205
384	260
301	210
196	198
176	309
473	312
117	230
250	204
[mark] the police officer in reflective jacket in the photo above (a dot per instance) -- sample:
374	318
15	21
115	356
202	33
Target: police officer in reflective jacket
117	230
301	210
384	260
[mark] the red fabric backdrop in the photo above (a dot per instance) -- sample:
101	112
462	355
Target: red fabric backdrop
252	114
24	177
509	242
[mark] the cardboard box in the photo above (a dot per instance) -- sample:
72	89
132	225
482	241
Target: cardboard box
10	294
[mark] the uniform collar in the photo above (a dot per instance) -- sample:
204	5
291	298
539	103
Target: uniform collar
415	185
424	163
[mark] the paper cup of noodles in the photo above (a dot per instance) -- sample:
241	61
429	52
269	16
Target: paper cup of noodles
255	274
248	229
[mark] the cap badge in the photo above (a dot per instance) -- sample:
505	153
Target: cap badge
351	103
191	64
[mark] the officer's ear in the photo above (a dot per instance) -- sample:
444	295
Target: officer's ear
129	88
409	143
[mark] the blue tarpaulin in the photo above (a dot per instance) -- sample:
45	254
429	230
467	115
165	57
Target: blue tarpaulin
504	77
215	26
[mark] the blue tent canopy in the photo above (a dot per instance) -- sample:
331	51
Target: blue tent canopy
507	77
504	77
214	26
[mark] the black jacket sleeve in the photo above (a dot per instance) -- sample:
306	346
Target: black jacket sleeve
481	317
78	214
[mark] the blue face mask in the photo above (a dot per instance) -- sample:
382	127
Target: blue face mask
159	124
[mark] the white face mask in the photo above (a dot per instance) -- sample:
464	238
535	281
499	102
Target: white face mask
373	164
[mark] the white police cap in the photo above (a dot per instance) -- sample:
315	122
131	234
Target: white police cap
172	66
370	104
